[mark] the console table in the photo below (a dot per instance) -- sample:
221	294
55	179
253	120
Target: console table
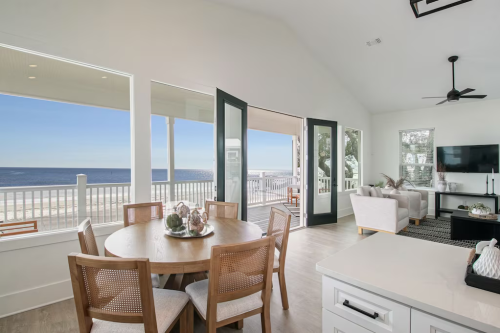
437	201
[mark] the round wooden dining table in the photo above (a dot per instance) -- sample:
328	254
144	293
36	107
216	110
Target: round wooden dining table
185	259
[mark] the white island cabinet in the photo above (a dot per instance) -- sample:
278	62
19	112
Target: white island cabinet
395	284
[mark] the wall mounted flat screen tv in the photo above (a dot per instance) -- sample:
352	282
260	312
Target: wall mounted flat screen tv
471	159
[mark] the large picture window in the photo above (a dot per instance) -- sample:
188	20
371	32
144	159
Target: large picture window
352	165
416	160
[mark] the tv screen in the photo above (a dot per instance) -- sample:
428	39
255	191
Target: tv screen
472	159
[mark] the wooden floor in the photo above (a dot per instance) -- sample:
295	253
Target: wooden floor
306	248
260	215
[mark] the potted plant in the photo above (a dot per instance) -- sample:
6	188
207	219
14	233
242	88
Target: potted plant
441	172
397	185
479	209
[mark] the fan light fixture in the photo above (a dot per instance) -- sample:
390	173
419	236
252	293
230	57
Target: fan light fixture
416	11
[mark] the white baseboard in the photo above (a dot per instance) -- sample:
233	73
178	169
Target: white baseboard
344	212
29	299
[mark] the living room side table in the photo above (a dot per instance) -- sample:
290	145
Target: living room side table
437	201
464	227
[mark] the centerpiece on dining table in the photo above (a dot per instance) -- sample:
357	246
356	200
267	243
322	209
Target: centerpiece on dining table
186	223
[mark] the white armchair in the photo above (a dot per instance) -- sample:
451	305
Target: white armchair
390	215
419	203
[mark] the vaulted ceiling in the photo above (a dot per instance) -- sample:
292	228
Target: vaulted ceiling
411	62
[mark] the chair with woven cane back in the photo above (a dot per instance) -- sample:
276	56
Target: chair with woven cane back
279	227
222	209
143	212
239	285
128	303
88	245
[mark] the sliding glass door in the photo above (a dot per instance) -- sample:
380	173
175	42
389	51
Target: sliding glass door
322	172
232	151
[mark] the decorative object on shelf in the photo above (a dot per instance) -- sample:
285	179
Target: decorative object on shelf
486	186
396	185
441	173
493	181
488	263
452	186
479	209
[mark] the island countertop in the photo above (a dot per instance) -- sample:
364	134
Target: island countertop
424	275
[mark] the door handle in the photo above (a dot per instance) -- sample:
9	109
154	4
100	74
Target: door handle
373	316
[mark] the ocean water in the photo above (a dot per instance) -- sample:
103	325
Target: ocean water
67	176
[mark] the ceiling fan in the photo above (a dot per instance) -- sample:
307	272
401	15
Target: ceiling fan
454	95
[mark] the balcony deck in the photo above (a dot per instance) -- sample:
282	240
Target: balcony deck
260	215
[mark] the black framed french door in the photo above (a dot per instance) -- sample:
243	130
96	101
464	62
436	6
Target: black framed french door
232	151
321	185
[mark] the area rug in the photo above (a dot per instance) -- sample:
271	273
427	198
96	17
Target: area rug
295	211
436	230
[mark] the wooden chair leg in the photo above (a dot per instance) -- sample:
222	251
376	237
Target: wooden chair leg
239	324
265	318
187	319
360	230
284	295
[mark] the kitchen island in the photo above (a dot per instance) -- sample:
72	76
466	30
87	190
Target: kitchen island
391	283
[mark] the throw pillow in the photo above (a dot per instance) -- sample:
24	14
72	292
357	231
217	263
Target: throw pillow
364	191
376	194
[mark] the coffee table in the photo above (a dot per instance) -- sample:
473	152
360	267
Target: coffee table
464	227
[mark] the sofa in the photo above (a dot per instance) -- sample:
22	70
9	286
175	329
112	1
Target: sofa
378	212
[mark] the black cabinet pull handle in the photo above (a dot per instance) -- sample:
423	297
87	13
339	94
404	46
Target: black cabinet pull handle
373	316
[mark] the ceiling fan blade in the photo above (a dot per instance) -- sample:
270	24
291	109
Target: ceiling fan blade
466	91
442	102
433	97
474	96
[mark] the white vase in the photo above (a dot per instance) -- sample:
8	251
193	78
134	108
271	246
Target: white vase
452	186
442	186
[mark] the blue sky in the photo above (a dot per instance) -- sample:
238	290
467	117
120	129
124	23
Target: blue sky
38	133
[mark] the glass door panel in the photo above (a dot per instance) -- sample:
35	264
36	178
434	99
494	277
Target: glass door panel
233	162
232	151
322	172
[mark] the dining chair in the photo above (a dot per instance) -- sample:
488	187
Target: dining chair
279	227
221	209
18	228
239	285
143	212
88	245
129	304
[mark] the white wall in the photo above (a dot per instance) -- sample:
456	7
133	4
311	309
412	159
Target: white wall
455	125
193	44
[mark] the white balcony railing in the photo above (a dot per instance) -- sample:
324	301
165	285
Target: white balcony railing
263	190
58	207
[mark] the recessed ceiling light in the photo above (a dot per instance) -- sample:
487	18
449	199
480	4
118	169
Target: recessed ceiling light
32	77
104	77
33	65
